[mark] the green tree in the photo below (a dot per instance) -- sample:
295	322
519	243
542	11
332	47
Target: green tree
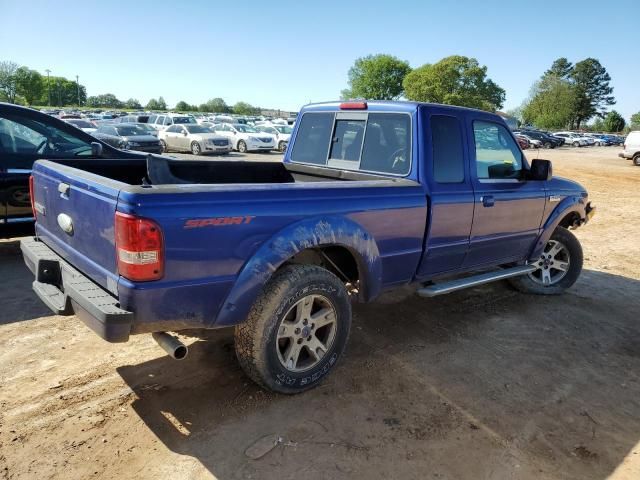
158	104
8	84
593	91
63	92
454	80
133	104
215	105
244	108
597	125
560	68
107	100
376	77
29	84
552	103
635	121
183	106
613	122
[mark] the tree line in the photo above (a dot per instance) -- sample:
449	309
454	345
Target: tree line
566	96
22	85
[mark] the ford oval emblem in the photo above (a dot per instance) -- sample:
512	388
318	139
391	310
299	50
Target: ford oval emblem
65	223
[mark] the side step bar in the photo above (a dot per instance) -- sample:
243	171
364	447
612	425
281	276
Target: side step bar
461	283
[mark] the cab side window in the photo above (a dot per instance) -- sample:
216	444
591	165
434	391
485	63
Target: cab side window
497	154
446	144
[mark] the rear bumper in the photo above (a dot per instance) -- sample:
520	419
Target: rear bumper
67	291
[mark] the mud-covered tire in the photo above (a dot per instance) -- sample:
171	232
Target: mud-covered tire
256	340
528	283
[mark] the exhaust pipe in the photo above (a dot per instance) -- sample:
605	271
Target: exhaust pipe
170	344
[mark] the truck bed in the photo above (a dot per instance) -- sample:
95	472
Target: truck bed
156	170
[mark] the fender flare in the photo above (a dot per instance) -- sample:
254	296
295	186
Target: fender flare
291	240
570	204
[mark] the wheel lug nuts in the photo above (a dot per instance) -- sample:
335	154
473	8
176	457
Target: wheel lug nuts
297	331
304	322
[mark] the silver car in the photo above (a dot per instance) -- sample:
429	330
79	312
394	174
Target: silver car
194	138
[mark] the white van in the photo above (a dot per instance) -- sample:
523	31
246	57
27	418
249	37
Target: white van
632	147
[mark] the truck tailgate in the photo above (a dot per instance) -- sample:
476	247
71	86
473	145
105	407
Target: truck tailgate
75	217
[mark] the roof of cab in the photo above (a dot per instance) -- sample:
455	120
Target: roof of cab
384	105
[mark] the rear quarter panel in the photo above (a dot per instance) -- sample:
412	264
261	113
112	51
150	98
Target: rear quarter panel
204	262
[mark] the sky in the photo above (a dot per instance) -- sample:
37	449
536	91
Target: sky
284	54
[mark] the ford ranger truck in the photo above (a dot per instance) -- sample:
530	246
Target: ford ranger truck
369	196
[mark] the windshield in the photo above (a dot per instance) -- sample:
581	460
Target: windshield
197	129
184	120
81	124
130	131
244	128
284	129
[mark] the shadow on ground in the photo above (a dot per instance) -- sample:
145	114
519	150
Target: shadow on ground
486	383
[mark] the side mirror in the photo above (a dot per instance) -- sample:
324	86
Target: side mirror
96	149
540	170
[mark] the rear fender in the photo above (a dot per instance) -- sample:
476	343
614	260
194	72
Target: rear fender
288	242
570	204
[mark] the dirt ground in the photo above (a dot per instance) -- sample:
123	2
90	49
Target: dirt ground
481	384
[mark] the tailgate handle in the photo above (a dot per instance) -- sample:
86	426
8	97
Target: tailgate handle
64	188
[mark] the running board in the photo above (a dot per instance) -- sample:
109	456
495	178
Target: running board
460	283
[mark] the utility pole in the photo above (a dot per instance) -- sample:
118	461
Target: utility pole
78	87
48	86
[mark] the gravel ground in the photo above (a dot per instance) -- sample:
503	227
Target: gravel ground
485	383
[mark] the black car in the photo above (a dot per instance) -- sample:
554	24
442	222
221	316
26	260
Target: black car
128	137
27	135
547	140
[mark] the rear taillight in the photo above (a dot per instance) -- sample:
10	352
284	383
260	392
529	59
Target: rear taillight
32	198
139	247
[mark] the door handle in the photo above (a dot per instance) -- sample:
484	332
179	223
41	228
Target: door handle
487	200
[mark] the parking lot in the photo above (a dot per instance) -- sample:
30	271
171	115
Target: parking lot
485	383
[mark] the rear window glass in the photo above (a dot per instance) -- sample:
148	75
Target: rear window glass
446	140
381	144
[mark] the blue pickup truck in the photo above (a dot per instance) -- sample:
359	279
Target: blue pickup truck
370	196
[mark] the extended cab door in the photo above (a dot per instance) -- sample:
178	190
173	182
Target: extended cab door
451	201
508	209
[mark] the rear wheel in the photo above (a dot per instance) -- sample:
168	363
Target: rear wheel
296	330
195	148
576	144
559	266
636	159
546	145
242	146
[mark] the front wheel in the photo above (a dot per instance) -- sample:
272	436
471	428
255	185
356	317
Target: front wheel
559	266
242	146
163	146
296	330
282	146
195	148
576	144
636	159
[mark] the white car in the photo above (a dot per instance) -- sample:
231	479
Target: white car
574	139
245	138
197	139
281	132
165	120
534	143
632	147
84	125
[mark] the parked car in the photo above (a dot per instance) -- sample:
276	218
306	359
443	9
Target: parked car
532	141
572	139
245	138
282	134
523	141
128	137
282	249
84	125
632	147
160	122
197	139
599	139
137	118
547	141
146	127
27	135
